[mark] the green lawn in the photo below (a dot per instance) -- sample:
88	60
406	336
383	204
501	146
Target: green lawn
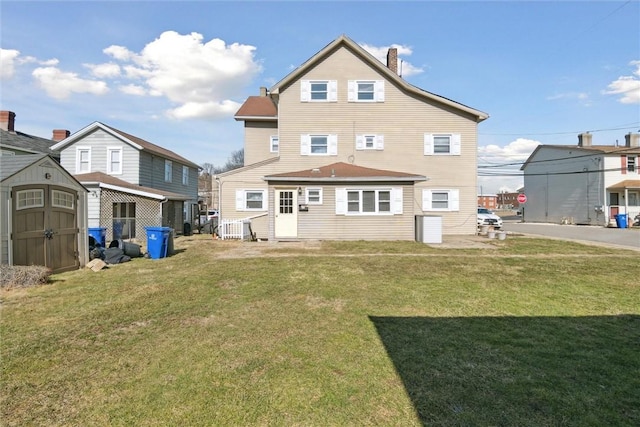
527	332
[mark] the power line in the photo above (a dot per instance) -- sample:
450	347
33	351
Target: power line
633	125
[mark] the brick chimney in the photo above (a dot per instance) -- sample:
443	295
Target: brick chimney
60	134
392	59
8	121
584	139
632	140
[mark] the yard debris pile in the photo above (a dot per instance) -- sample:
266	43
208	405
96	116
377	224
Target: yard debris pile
22	276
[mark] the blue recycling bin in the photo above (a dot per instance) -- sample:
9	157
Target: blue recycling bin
99	234
621	220
157	241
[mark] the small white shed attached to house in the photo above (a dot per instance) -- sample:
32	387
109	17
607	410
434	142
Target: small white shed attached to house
43	214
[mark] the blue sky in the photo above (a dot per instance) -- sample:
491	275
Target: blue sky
174	73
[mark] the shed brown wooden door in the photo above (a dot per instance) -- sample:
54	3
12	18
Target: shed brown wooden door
45	230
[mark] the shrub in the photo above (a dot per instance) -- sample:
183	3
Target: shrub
21	276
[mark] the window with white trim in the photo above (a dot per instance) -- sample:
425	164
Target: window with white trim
443	200
369	201
437	144
274	144
83	160
251	200
114	161
631	163
319	145
30	199
168	171
185	175
365	91
313	196
62	199
634	198
369	142
318	90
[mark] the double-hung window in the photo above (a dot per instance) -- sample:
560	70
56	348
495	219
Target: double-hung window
368	201
168	171
114	161
365	91
447	144
83	160
318	91
319	145
251	200
441	200
274	144
369	142
185	175
631	163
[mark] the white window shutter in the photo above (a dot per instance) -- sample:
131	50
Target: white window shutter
305	145
341	201
428	144
379	89
426	200
333	90
265	200
333	145
396	201
305	91
239	200
379	142
455	144
359	142
454	200
351	91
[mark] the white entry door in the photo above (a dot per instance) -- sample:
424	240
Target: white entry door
286	210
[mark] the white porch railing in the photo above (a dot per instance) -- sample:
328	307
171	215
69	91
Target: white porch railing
236	228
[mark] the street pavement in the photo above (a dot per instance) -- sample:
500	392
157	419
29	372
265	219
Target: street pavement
628	238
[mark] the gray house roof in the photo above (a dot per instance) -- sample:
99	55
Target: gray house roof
28	143
134	141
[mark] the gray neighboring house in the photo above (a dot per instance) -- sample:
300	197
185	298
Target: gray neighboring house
132	183
16	143
583	184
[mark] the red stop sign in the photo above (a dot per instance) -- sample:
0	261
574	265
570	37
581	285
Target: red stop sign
522	198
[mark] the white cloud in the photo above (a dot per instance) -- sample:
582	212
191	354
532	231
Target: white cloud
132	89
199	76
380	52
59	84
499	167
106	70
7	63
204	109
627	86
120	53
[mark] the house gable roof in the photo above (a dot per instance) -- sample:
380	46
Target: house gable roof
257	108
11	165
594	149
25	142
107	181
344	41
340	172
134	141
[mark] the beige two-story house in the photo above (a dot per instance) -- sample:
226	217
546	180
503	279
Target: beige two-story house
344	148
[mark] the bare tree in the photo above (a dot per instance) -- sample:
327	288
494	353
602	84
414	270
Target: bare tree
235	161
